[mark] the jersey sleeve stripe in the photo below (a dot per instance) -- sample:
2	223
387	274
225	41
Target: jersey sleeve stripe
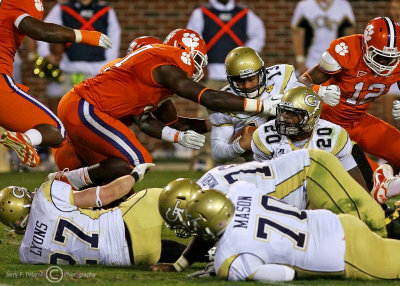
341	142
259	144
288	73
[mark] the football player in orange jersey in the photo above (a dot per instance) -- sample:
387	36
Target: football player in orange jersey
138	88
353	72
31	122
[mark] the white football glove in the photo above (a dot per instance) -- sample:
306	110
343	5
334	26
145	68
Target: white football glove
141	170
191	139
396	109
329	94
270	104
105	42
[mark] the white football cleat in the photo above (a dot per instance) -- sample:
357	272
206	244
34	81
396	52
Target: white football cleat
381	178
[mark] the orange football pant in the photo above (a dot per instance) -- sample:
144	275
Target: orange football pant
376	137
20	111
95	136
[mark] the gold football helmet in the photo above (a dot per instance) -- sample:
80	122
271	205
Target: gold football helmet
241	64
15	206
172	204
298	111
209	213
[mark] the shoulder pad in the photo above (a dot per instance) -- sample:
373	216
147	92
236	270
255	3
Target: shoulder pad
328	63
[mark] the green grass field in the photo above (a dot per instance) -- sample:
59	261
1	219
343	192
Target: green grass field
12	272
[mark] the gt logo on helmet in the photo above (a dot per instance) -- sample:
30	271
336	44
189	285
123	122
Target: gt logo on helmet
176	212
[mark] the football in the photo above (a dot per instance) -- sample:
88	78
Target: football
240	132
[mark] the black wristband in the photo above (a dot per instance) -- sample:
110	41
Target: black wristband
135	175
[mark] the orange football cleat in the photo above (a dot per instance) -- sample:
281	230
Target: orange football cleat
19	142
381	179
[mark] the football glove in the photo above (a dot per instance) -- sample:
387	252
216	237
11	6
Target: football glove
396	109
329	94
93	38
270	104
140	170
191	139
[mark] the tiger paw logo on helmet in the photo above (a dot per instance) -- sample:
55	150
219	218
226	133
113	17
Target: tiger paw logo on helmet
369	30
342	49
185	57
190	40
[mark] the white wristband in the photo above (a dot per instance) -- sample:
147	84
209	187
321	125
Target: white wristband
181	264
78	36
169	134
252	105
98	201
300	59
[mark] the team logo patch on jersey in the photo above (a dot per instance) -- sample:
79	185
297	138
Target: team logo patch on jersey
39	5
368	32
342	49
361	73
269	88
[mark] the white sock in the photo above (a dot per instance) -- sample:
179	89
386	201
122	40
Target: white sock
79	178
34	136
393	187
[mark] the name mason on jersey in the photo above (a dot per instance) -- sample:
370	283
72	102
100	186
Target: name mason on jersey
242	212
38	238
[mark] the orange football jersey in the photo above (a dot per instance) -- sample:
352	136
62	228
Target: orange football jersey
128	87
359	85
11	37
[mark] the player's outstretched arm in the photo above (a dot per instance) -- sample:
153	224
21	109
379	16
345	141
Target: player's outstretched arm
167	114
54	33
103	195
177	80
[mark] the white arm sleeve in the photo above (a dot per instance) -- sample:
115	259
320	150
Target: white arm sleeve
221	150
250	267
255	32
114	32
196	21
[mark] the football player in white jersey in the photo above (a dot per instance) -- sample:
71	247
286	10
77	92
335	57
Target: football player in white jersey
297	125
263	239
60	226
305	178
248	77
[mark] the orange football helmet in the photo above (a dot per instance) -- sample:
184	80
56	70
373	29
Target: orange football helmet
381	45
193	44
142	41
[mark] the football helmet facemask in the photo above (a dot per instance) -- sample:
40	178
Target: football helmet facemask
172	205
298	111
15	206
244	64
381	45
209	213
194	45
142	41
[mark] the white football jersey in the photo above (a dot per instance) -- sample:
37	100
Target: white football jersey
265	175
327	136
60	233
267	231
322	25
225	125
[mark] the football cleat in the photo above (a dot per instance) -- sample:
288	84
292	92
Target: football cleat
381	178
19	142
61	176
